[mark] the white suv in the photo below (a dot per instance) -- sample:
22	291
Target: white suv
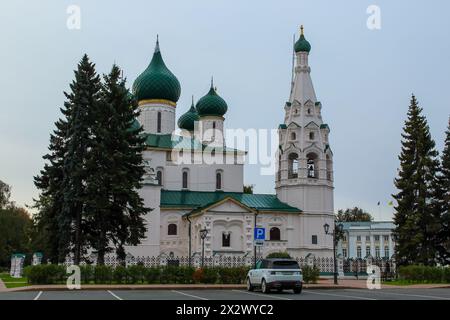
275	274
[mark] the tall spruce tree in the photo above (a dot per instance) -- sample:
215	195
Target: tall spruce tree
442	202
114	171
416	225
63	180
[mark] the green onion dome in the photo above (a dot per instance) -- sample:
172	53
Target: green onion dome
302	45
211	104
187	120
157	82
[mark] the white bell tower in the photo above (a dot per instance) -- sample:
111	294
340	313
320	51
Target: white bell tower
304	177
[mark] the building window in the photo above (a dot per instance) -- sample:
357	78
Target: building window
386	252
185	177
159	177
312	165
169	156
314	239
367	251
358	238
368	238
172	229
275	234
386	238
344	252
344	238
311	135
218	180
329	168
358	252
293	136
377	252
309	111
226	239
158	122
293	166
377	238
214	125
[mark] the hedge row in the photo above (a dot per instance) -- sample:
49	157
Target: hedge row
51	274
424	274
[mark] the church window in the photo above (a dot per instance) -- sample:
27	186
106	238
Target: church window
312	165
329	168
158	122
219	180
185	177
314	239
214	125
226	237
293	166
293	136
309	111
172	229
275	234
159	177
311	135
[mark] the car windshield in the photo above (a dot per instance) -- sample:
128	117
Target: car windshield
285	265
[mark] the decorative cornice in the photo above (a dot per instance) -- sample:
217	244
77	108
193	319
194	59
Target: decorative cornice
156	101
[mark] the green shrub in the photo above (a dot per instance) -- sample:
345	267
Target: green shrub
310	274
87	273
278	255
45	274
152	275
103	274
120	274
211	275
136	274
424	274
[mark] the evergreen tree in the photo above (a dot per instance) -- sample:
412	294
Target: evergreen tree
416	225
63	180
114	169
442	202
353	215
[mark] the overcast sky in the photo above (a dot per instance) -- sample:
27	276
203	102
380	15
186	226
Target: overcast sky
364	78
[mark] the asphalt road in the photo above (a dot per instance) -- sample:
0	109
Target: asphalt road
335	294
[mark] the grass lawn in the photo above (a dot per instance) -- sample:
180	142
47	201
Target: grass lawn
11	282
409	283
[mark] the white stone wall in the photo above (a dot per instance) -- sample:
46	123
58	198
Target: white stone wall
148	118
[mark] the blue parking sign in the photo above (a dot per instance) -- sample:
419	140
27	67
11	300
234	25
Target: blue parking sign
260	234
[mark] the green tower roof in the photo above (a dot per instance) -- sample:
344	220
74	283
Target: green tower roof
157	81
211	104
187	120
302	45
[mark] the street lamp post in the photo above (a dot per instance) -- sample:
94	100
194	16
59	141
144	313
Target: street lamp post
326	228
203	234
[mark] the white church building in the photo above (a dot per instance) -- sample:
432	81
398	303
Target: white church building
189	194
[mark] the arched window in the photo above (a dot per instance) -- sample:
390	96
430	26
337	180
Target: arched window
214	125
293	166
311	135
158	122
159	177
293	136
309	111
219	180
185	177
172	229
275	234
312	165
329	168
226	239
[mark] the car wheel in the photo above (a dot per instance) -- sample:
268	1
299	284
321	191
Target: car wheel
264	287
249	285
298	290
